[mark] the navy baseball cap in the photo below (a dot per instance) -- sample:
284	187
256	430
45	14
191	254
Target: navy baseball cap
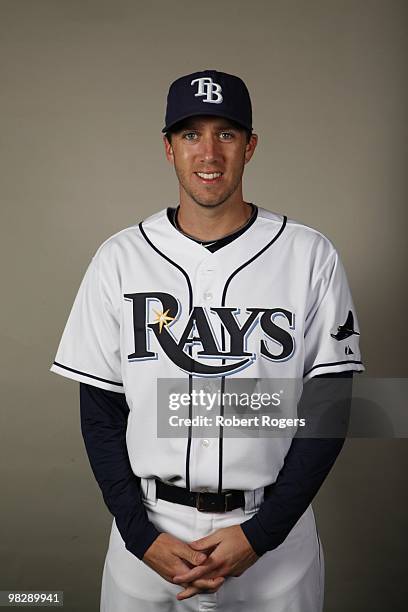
208	93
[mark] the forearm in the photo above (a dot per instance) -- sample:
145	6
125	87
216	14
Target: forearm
306	466
103	423
291	496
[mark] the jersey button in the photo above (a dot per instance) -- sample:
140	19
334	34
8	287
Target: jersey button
205	443
208	295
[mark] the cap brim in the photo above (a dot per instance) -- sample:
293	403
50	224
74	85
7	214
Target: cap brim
207	113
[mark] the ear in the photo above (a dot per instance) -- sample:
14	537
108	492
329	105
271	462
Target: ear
250	147
168	150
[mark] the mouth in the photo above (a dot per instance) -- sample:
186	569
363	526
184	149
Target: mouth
209	177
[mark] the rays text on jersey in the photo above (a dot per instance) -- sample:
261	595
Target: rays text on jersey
232	356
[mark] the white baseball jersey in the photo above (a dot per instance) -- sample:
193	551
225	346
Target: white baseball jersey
273	303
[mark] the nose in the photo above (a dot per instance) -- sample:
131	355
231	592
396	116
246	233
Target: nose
209	150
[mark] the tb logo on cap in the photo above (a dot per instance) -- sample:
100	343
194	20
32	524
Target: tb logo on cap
207	87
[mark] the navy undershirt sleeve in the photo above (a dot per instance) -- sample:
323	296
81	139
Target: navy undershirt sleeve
103	422
104	417
306	465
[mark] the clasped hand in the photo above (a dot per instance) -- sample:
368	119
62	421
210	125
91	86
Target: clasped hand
204	564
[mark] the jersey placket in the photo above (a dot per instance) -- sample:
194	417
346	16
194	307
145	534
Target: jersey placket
204	451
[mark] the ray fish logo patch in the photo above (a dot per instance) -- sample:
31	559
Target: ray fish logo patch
346	330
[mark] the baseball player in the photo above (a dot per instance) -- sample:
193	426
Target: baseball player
203	293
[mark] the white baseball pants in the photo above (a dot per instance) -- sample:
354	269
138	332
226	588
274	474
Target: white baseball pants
289	578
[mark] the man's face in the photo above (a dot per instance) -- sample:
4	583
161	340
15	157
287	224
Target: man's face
209	155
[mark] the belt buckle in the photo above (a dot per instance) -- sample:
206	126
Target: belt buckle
203	507
200	502
226	497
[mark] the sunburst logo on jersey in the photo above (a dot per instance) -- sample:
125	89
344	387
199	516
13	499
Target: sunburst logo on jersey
162	318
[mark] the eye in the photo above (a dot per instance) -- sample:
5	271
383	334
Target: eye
226	135
189	135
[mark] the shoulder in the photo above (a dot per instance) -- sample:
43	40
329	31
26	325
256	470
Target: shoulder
301	239
127	240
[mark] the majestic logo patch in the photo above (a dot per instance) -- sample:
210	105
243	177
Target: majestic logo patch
346	330
207	87
231	357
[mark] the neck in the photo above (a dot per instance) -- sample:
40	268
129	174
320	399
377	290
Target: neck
207	223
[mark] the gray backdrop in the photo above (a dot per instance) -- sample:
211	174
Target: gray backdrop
83	86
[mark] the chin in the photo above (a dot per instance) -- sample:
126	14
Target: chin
210	203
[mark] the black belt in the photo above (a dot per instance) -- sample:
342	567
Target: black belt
203	501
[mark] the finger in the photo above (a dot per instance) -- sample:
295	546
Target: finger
179	567
188	592
210	567
209	584
207	587
206	542
190	555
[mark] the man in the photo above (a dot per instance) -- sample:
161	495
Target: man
213	290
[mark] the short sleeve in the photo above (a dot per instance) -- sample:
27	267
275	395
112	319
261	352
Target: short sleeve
332	332
89	349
